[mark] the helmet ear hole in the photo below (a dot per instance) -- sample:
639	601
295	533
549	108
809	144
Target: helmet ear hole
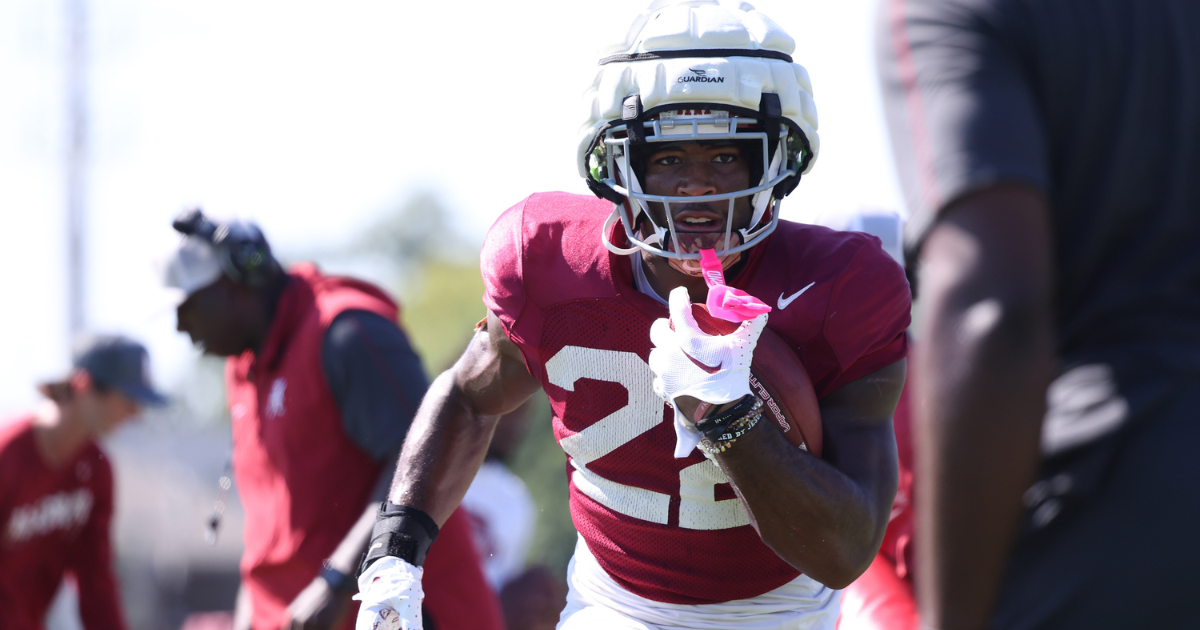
798	156
604	191
598	163
785	187
598	172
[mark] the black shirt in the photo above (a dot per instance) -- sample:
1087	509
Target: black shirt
1097	104
376	378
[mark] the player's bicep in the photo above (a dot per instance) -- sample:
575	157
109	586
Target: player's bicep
869	399
492	373
858	436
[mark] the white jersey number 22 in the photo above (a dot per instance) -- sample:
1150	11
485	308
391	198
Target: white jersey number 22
698	507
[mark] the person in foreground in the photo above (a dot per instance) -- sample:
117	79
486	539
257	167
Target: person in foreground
699	125
1049	153
56	486
321	384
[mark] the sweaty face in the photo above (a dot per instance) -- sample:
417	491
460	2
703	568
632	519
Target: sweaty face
692	169
211	317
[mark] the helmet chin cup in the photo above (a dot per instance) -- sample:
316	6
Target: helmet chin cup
608	224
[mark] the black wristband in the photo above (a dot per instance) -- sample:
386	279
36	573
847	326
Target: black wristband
716	424
400	531
737	428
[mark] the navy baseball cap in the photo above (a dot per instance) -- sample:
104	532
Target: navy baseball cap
119	363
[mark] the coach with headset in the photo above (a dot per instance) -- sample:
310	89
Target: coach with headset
322	385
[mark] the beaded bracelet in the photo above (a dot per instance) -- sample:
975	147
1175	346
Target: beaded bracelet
734	429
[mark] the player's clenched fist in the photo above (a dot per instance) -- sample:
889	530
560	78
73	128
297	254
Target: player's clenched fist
686	361
390	592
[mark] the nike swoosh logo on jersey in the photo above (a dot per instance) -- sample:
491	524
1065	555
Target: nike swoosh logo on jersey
703	366
784	302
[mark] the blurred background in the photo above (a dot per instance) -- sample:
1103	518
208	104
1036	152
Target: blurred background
380	139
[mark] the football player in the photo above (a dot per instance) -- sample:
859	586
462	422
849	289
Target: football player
690	514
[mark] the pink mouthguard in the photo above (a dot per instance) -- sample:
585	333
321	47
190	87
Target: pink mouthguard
728	303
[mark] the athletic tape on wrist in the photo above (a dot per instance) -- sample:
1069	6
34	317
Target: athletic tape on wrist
400	531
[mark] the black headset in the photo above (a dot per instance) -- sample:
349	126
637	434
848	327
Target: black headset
241	247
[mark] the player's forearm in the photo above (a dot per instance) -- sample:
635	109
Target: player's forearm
444	449
827	516
982	374
809	513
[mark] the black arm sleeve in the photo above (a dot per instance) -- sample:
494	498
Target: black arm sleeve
376	378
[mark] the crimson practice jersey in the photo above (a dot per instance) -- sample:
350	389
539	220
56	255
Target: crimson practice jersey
668	529
54	520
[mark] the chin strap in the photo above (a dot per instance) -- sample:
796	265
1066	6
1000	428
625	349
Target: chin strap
608	223
637	208
634	186
763	199
659	237
748	234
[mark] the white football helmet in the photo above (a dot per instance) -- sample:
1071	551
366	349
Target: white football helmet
698	70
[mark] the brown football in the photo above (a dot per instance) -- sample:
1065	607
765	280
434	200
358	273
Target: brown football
779	379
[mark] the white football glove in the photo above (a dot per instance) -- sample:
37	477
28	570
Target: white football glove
689	362
390	592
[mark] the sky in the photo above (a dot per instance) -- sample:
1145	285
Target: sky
313	118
